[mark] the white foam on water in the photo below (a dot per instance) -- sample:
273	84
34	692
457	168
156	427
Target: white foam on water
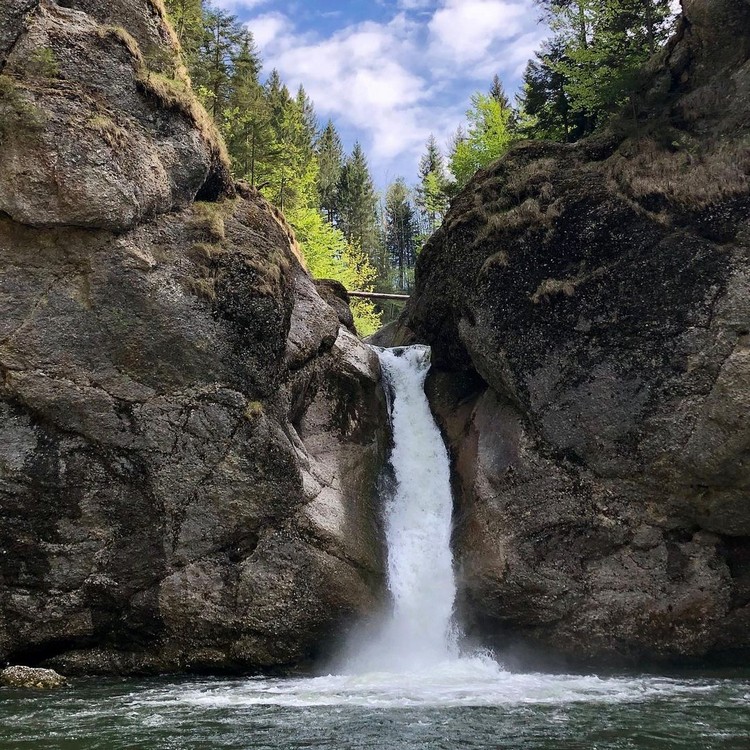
471	681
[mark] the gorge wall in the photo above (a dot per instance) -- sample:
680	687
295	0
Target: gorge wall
189	434
190	431
589	310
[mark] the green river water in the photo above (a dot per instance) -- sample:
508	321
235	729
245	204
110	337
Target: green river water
466	705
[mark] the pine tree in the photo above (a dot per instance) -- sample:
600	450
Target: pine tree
246	64
246	119
431	191
600	48
223	37
497	92
279	100
432	159
400	233
187	20
309	133
330	164
284	171
488	137
572	15
546	108
358	202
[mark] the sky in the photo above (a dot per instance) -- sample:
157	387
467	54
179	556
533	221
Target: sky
391	72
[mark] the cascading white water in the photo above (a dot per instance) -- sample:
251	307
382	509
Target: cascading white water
419	632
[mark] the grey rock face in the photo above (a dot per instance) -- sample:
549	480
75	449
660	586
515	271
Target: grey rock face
187	457
98	127
189	438
335	294
588	309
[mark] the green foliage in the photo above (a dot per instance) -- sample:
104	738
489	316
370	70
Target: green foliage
547	110
400	234
592	66
187	20
603	69
289	171
17	113
330	155
307	133
431	196
42	63
497	92
488	137
329	256
223	38
253	410
367	318
357	204
246	121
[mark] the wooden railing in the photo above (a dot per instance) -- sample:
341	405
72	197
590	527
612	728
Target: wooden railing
377	295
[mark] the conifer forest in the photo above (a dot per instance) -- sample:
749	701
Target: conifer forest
369	239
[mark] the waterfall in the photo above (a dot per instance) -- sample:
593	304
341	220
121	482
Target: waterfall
418	633
408	669
410	660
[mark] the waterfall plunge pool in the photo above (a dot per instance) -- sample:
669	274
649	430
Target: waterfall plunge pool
406	686
450	706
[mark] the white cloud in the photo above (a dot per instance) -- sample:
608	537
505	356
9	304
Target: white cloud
361	76
464	31
394	83
511	57
268	27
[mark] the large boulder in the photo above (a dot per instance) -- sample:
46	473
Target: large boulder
187	457
98	126
189	437
589	310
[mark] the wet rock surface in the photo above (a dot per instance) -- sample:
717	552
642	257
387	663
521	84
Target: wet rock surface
588	309
189	437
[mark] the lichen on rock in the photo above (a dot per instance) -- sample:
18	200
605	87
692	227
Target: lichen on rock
30	677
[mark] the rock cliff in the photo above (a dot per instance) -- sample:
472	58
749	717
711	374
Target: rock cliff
189	437
589	310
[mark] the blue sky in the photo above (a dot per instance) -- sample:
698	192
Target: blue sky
390	72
